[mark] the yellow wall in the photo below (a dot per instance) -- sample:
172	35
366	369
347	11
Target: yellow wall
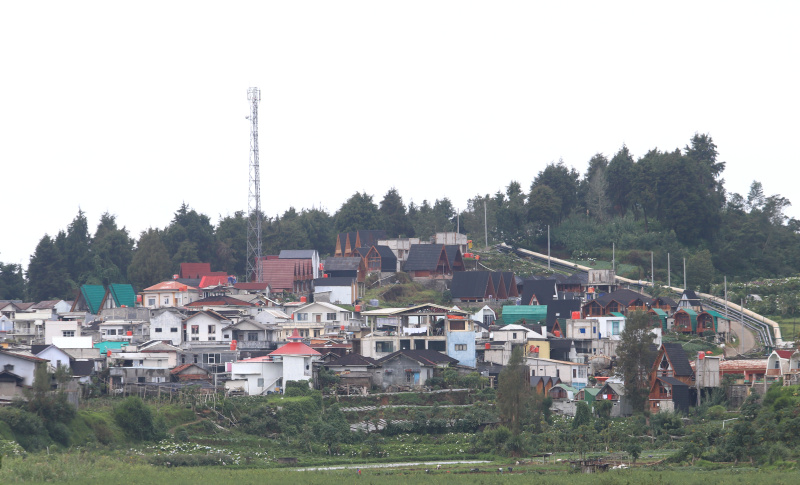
544	348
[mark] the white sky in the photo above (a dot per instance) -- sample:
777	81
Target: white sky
135	108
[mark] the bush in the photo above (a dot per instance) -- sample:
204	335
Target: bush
716	412
137	421
28	428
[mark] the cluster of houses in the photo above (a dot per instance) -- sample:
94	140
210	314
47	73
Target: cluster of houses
206	329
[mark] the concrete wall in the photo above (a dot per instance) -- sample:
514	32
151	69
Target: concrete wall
394	373
166	322
466	337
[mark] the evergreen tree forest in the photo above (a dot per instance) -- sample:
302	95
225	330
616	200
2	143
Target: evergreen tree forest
668	202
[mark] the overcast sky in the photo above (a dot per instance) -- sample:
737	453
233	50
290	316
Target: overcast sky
135	108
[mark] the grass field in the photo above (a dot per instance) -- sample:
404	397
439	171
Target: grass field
87	469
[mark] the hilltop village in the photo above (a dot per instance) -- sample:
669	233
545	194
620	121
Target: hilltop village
308	316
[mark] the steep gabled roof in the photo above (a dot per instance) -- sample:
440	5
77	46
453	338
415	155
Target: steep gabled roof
544	290
499	285
471	284
624	297
123	294
93	296
424	257
678	359
561	309
454	257
511	284
370	237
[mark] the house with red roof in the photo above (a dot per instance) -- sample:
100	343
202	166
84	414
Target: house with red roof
268	374
288	275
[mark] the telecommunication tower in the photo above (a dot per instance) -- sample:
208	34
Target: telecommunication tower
254	267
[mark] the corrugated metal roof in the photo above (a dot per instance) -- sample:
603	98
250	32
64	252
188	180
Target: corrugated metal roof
93	296
123	294
529	313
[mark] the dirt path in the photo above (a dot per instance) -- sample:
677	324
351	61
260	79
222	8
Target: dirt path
747	343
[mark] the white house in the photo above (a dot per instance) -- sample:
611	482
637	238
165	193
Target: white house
206	326
485	315
572	373
167	324
17	370
58	328
260	375
315	319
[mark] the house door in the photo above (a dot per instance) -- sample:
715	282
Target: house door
416	378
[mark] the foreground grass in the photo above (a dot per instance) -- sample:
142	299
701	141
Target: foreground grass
87	469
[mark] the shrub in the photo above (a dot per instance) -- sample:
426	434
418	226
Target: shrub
716	412
29	430
137	421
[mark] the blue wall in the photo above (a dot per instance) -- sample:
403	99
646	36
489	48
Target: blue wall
465	357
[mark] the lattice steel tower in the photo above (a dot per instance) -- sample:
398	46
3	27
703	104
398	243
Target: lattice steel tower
254	269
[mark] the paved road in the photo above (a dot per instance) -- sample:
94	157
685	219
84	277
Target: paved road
748	340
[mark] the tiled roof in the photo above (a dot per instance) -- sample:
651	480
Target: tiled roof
170	285
354	360
350	263
195	270
742	365
219	301
213	280
44	305
424	357
295	348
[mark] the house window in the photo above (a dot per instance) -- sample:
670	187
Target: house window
345	316
302	317
461	347
195	329
260	382
68	333
212	358
384	346
212	329
252	336
166	300
173	329
158	330
151	302
488	319
330	317
594	329
615	328
140	380
514	336
111	331
583	330
574	373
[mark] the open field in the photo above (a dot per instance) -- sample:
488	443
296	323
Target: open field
88	469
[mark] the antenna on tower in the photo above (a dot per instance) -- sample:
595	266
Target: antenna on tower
254	266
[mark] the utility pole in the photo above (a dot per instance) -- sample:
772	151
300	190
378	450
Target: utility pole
613	258
254	266
741	320
684	273
652	272
727	336
669	273
485	226
548	246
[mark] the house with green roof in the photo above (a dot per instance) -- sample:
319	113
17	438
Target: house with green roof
529	313
95	298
